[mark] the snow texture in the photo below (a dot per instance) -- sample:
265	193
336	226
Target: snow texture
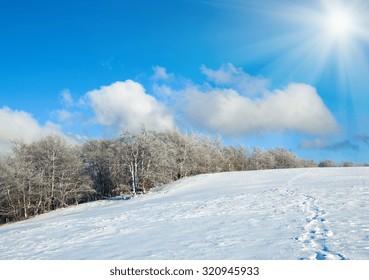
313	214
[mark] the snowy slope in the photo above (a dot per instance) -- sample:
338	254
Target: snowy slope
275	214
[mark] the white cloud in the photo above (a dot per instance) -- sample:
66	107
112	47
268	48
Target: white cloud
296	108
21	126
71	111
67	98
126	106
160	73
65	116
222	76
232	77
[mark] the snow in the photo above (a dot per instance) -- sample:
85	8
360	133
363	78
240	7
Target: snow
317	213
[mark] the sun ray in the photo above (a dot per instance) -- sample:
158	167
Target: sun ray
312	40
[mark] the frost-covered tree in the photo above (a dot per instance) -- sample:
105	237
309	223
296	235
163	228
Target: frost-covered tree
50	173
283	158
131	163
40	177
327	163
21	191
99	158
259	159
160	165
61	169
185	151
142	158
348	164
133	157
11	195
235	158
209	155
308	163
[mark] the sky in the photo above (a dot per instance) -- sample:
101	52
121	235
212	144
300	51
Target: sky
261	73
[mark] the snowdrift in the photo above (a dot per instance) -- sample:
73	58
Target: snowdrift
317	213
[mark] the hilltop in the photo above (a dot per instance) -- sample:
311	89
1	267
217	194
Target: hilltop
308	213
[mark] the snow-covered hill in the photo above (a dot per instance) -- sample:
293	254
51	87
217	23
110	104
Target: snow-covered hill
320	213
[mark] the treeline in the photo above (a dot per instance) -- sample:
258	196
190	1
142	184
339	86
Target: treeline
51	173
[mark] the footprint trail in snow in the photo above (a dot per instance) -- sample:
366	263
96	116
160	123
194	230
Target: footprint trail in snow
316	232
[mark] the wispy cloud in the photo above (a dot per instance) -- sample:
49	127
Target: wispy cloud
235	78
160	73
67	117
66	97
70	112
320	144
363	138
107	63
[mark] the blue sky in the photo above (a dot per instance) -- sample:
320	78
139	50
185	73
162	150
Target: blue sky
260	73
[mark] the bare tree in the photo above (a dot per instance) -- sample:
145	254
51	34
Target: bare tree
50	173
235	158
61	169
20	181
283	158
159	167
327	163
98	158
40	177
145	159
185	153
259	159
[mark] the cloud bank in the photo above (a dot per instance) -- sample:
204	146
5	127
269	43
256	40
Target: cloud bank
297	108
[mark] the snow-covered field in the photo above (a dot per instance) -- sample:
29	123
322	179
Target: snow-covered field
319	213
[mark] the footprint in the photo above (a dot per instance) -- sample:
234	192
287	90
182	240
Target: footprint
316	232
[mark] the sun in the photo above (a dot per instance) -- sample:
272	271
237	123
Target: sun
317	39
339	23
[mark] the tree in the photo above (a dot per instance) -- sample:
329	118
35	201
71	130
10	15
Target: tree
10	195
40	177
209	155
308	163
51	173
99	158
146	159
159	168
60	166
283	158
348	164
327	163
20	182
235	158
260	159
